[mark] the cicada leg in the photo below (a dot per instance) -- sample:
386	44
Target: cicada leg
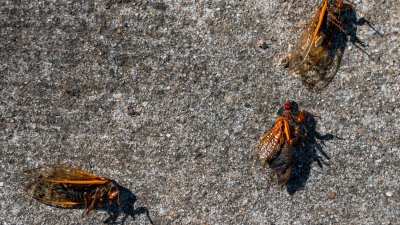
332	18
301	117
94	199
86	197
339	6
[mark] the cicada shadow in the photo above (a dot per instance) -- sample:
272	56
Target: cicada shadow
310	150
128	206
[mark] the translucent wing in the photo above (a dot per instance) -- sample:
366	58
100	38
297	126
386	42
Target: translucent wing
61	185
59	194
270	144
305	43
64	174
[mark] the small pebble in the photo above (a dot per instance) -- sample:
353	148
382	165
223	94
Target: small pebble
228	99
173	214
389	193
210	22
331	195
362	131
117	96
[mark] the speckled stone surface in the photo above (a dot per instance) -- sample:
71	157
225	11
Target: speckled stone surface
169	98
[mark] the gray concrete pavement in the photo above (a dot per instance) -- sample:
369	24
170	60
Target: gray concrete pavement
170	98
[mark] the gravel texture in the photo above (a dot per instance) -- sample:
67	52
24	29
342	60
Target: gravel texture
169	98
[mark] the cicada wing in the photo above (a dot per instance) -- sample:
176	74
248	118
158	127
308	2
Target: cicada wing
51	194
318	55
299	52
64	174
60	185
305	44
270	144
323	72
323	62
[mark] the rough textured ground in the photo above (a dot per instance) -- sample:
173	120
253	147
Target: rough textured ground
169	98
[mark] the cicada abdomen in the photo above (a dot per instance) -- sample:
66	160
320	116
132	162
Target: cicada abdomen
281	165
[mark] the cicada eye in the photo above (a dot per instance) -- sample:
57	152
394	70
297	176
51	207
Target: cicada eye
287	106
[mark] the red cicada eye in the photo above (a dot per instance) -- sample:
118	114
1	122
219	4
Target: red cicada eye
287	106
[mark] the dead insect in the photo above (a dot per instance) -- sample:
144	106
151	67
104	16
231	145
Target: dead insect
316	57
67	187
275	147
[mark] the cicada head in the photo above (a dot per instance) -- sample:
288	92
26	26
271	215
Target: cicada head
289	107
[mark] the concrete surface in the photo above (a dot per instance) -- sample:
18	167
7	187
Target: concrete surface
169	98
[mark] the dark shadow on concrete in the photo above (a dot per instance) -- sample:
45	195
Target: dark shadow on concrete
350	23
310	149
125	207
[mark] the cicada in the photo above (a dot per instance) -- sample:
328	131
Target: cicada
275	146
68	187
317	55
